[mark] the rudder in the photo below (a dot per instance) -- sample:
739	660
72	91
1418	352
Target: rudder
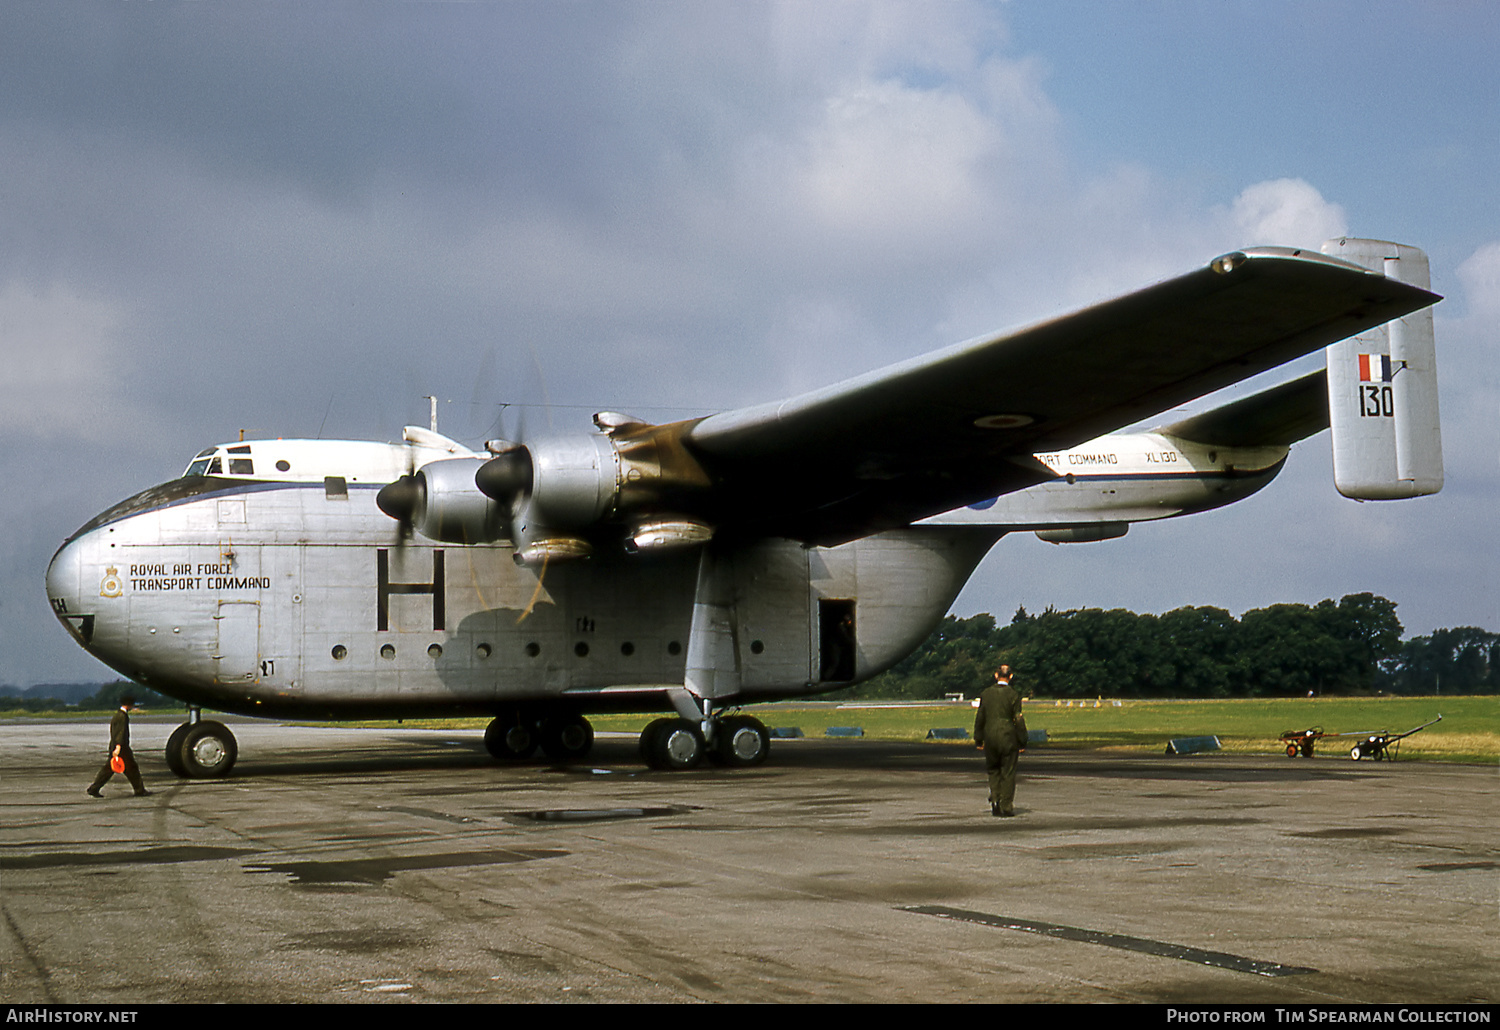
1382	389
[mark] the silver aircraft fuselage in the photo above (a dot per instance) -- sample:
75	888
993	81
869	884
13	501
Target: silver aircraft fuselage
276	598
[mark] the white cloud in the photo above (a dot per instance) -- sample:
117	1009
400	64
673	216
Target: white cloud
1480	275
1286	212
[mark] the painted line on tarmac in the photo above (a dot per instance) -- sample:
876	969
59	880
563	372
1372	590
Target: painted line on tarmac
1114	940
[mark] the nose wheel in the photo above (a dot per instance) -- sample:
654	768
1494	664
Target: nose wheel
204	750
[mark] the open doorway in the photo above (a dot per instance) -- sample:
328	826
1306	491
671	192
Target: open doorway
836	640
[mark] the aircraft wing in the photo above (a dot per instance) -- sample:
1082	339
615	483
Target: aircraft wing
949	428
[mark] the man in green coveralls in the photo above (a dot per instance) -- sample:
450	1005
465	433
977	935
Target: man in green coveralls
1000	731
119	746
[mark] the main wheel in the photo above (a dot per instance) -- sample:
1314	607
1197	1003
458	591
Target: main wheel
673	744
508	737
742	741
567	739
208	750
174	750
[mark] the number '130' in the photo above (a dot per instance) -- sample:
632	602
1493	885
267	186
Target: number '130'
1376	402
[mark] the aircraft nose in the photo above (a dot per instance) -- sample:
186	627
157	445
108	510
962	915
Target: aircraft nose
66	593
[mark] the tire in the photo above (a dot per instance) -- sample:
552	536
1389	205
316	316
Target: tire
676	745
741	742
648	740
567	739
208	751
1291	750
1354	752
174	750
508	738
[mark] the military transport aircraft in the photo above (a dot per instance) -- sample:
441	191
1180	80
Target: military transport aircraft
769	552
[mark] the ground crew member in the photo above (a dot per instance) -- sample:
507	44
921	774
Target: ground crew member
1000	731
119	747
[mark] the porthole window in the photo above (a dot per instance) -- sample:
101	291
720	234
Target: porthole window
435	651
674	648
340	652
757	646
627	649
483	650
533	649
388	651
283	466
581	649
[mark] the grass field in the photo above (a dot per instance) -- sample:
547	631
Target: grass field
1469	732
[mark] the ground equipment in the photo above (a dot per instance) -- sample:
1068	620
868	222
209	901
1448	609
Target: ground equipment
1384	745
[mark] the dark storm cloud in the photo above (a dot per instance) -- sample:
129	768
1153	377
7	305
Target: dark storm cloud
327	95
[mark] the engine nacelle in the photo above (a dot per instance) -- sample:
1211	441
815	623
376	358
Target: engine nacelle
558	490
442	503
575	481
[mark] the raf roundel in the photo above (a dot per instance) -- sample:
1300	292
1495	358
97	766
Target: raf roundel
1003	421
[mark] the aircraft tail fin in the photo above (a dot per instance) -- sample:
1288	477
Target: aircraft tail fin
1279	416
1382	389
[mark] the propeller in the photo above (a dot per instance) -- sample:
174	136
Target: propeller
399	499
508	476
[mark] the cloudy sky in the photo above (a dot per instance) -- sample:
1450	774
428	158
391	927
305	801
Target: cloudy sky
299	219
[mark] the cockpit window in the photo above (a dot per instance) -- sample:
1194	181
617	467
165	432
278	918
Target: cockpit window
240	466
205	466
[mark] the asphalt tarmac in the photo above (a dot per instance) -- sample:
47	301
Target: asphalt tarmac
405	866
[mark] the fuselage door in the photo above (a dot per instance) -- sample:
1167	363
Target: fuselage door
237	656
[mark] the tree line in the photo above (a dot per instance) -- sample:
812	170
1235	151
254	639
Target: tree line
1352	646
53	697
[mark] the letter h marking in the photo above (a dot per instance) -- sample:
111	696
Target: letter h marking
386	588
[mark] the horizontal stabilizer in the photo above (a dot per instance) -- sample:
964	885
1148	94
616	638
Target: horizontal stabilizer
1281	415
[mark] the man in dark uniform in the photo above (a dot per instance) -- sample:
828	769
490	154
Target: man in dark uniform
119	747
1000	731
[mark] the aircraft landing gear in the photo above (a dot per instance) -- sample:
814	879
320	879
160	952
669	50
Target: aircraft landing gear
202	750
567	739
562	736
739	741
672	744
510	737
